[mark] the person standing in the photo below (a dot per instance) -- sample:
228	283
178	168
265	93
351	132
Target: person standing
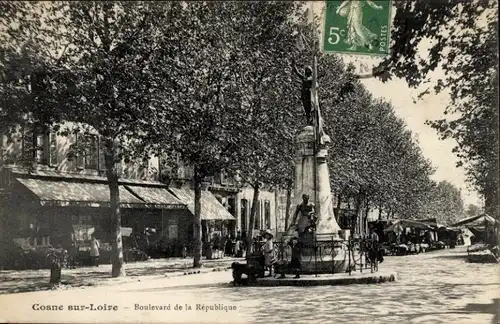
73	254
94	251
295	263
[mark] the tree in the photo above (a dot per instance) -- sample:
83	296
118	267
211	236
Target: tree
464	44
374	159
472	210
204	112
21	55
268	46
446	203
108	80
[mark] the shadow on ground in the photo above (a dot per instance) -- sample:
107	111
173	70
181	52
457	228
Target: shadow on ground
38	280
493	308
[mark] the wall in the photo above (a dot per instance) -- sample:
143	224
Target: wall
58	155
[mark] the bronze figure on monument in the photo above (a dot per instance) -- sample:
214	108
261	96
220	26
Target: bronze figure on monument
307	82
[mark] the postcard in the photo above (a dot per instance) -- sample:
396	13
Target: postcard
249	162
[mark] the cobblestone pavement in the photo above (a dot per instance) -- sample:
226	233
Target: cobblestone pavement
434	287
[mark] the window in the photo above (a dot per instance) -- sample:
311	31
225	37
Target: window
223	178
88	151
27	144
39	152
267	214
244	208
92	153
231	206
188	172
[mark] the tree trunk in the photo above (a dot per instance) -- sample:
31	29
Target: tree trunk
255	201
491	200
118	270
197	244
358	215
276	211
288	207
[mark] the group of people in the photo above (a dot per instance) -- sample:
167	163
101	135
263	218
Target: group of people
305	227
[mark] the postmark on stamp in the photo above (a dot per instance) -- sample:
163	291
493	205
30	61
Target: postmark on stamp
357	26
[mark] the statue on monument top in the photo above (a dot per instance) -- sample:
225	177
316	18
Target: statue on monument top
307	82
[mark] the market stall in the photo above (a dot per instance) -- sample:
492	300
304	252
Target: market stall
407	236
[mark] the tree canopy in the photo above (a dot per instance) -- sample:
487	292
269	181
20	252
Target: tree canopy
463	38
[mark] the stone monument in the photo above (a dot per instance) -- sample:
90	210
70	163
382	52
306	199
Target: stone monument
305	184
312	178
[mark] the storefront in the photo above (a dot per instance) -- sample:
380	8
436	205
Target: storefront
215	218
55	206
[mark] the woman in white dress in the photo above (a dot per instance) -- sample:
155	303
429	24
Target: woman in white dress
94	251
357	34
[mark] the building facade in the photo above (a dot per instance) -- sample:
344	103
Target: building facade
53	191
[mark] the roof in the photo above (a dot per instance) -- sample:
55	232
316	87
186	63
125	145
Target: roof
157	196
211	208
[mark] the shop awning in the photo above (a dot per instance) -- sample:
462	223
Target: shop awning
211	208
407	223
82	194
478	220
159	197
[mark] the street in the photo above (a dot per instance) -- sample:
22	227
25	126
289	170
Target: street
433	287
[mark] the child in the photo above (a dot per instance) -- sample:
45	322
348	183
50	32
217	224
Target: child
269	252
296	256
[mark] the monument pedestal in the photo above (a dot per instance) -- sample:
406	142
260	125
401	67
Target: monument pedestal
328	254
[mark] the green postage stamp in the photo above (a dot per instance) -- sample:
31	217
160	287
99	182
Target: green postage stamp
357	26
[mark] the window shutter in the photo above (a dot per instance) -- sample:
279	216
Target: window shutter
53	149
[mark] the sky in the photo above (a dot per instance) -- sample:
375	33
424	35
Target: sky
431	107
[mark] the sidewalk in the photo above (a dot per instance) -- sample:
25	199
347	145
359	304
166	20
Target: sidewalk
15	281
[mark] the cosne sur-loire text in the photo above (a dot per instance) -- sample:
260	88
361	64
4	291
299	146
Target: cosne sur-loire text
85	307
